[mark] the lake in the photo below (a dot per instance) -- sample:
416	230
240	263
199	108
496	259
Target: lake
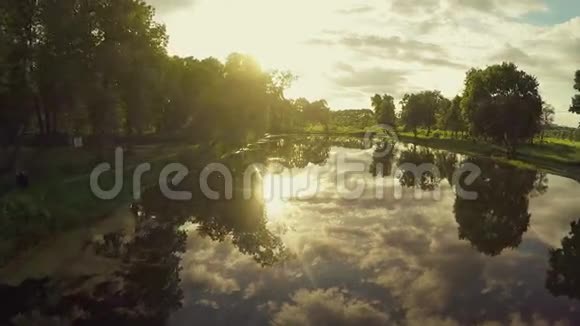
332	232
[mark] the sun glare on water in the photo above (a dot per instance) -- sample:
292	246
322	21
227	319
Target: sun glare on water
276	194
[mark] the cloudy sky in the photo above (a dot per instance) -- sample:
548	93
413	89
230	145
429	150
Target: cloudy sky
346	50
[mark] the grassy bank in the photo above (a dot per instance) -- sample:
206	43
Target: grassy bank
59	197
556	156
553	155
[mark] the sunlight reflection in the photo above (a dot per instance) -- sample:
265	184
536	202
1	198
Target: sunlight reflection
276	191
280	186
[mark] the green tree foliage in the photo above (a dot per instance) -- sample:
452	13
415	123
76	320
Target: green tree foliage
18	38
283	115
452	119
384	107
575	108
352	119
421	110
312	113
101	68
547	119
502	103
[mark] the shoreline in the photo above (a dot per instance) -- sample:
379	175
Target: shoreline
521	159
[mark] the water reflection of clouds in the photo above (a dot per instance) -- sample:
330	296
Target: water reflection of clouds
555	210
365	261
384	261
362	263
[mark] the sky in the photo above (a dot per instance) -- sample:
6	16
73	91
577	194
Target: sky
345	51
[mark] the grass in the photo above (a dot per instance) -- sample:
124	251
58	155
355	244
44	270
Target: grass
60	197
561	157
556	156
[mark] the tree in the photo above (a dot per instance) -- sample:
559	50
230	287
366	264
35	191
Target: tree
453	119
353	119
101	68
19	34
319	112
575	107
502	103
316	112
384	108
547	119
281	113
421	110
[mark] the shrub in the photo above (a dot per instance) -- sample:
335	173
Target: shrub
22	223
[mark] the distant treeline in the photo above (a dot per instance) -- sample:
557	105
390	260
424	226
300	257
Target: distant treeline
561	132
500	104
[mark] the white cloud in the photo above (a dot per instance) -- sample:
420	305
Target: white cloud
328	307
165	6
429	43
211	281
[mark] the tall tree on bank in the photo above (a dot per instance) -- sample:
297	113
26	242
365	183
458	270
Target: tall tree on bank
384	108
18	91
421	110
100	68
547	119
281	111
575	108
454	117
502	103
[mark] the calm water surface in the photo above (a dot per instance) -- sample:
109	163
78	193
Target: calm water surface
300	253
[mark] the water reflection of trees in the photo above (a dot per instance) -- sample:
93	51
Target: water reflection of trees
143	290
447	164
243	221
299	154
147	288
540	185
383	160
499	217
429	179
438	165
563	277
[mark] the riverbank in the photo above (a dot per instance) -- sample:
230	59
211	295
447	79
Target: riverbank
59	197
552	156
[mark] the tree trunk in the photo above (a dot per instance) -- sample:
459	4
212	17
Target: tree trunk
40	121
510	148
54	117
13	157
